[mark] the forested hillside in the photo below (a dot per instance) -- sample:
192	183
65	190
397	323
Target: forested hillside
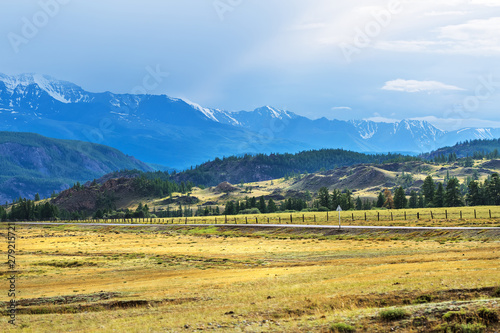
250	168
476	149
31	163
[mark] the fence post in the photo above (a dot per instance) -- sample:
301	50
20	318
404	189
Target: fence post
314	218
280	219
378	216
235	221
291	219
392	219
327	216
460	214
405	215
432	216
246	219
256	221
353	217
225	219
490	213
303	218
216	220
418	215
446	213
475	214
268	220
365	216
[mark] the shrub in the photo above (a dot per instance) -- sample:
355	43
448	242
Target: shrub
460	328
392	314
423	299
455	316
487	315
420	321
341	328
249	211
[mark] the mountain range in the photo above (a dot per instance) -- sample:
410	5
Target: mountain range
176	133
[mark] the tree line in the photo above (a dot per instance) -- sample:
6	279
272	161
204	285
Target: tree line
237	169
28	210
259	205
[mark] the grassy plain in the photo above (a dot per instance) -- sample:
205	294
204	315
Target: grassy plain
236	279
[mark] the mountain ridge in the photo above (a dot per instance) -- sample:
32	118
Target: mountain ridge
171	131
31	163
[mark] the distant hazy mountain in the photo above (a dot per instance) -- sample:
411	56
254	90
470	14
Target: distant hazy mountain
176	133
31	163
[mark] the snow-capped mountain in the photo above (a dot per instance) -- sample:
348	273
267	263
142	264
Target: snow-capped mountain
25	84
178	133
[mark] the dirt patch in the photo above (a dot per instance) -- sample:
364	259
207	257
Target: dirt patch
68	299
225	187
37	306
354	178
493	164
183	200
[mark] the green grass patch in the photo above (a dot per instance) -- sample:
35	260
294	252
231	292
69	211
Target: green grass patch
392	314
341	328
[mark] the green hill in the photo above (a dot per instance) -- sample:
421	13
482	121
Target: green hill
31	163
252	168
476	149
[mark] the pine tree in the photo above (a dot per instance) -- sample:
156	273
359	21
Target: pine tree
37	197
428	189
439	196
474	195
271	206
421	201
380	200
453	197
493	189
413	202
262	205
359	204
400	200
324	197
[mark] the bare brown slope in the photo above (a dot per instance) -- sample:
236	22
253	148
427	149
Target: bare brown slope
358	177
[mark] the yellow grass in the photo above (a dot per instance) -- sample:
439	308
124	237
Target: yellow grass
428	217
271	281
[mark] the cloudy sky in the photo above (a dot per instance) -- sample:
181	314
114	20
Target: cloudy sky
384	60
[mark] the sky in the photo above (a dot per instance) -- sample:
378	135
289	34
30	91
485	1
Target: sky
383	60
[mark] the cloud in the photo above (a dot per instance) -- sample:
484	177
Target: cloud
474	37
450	124
413	86
379	119
491	3
341	108
308	26
447	13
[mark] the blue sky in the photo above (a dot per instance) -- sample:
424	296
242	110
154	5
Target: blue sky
383	60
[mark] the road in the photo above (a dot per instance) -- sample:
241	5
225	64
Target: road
262	225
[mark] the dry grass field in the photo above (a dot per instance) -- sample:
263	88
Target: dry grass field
234	279
484	216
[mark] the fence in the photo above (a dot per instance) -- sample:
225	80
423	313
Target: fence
465	213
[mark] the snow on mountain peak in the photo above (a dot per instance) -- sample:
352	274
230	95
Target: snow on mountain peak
63	91
207	112
274	113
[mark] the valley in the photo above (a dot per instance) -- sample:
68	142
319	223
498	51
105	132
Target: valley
187	279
